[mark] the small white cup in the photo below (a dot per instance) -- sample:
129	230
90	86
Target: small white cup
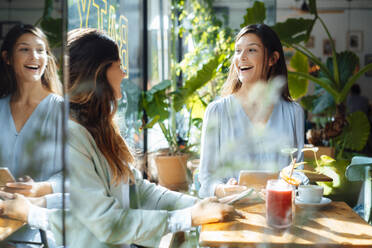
310	193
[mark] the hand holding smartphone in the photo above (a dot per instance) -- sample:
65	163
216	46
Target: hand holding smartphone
232	199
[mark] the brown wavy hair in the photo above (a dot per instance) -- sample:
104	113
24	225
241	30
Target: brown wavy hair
91	98
271	43
9	85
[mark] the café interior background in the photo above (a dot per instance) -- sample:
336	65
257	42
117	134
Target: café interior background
341	16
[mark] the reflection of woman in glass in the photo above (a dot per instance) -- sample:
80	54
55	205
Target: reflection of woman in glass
30	112
111	204
248	127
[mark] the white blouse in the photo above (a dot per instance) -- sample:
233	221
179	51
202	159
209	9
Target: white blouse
230	142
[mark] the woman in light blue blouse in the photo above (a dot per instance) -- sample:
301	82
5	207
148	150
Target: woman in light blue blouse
30	115
256	118
111	205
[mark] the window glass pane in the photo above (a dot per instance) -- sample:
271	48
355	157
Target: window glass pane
119	18
31	105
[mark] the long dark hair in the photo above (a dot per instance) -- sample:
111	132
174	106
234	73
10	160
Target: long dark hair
92	100
9	84
271	43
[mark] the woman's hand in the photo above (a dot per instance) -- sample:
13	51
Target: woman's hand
27	187
15	206
230	188
210	210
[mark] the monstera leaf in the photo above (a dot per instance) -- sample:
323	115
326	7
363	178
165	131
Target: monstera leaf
294	30
323	102
155	101
318	103
356	133
256	14
298	85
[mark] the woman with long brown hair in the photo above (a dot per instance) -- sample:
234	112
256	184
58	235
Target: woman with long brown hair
30	116
255	119
111	205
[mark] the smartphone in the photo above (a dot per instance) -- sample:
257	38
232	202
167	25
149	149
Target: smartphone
239	196
5	176
256	179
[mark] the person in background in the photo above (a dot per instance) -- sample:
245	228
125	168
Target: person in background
254	119
111	205
356	102
30	117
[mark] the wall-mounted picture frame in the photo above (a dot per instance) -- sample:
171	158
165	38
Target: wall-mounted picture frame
354	41
310	42
368	60
327	47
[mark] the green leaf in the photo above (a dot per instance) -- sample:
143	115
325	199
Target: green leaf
53	29
160	87
310	56
256	14
357	132
323	102
298	85
156	102
152	122
352	80
347	62
202	77
325	83
307	102
294	30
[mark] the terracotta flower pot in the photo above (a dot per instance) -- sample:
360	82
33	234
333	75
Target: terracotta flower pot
172	171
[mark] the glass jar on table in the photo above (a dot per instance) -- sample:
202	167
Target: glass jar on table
280	208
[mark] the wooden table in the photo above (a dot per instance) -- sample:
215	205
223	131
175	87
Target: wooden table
335	225
8	227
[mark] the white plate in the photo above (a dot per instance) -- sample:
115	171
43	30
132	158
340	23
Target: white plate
325	201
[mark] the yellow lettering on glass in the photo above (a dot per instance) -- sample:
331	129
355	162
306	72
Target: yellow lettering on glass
83	9
101	6
106	20
122	41
111	22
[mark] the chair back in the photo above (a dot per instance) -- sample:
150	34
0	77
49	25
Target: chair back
360	169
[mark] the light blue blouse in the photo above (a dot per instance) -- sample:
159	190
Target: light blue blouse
35	150
230	142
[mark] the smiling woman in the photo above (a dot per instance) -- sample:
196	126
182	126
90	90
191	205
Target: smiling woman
30	114
29	59
256	118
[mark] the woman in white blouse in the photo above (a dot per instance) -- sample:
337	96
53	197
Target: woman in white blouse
256	118
30	117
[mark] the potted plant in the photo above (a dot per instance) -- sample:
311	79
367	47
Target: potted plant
333	82
161	104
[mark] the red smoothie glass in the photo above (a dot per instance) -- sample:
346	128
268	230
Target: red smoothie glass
279	203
